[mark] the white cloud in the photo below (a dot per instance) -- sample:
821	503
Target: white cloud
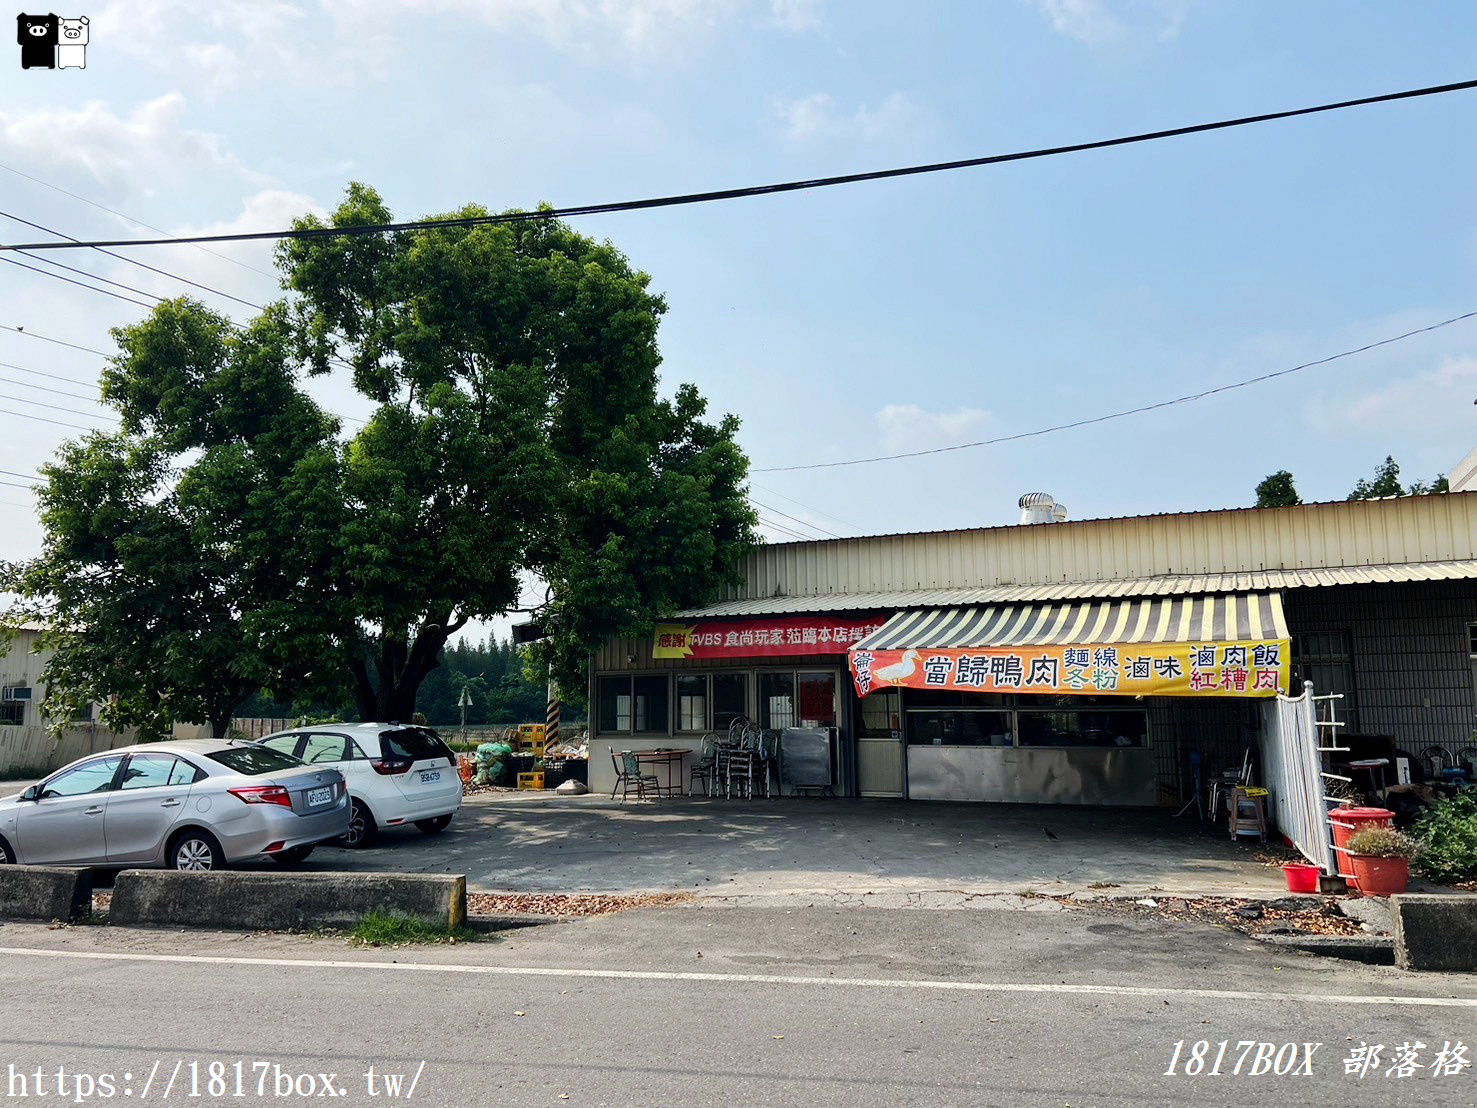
909	427
796	15
1431	403
125	153
1104	22
220	42
817	117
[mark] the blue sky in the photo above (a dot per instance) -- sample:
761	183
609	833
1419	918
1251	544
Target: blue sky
854	321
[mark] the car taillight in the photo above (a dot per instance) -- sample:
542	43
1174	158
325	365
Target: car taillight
389	766
262	794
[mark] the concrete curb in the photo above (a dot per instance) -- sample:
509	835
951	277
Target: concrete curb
1435	932
282	901
45	893
1372	950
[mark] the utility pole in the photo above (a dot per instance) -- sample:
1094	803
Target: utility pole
464	703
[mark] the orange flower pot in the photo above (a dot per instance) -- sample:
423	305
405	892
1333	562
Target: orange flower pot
1380	876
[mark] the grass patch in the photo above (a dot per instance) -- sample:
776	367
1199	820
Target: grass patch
398	929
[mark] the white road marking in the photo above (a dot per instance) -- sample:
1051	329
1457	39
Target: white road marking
756	978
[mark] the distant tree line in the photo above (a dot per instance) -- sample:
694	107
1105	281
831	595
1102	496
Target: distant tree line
1277	490
491	672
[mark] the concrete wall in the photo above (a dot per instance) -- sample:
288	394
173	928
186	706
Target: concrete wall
25	748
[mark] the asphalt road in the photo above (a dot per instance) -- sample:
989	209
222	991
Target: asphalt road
709	1006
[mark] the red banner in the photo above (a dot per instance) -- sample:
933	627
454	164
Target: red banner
773	637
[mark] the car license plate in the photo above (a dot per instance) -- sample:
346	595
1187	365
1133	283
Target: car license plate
319	796
430	776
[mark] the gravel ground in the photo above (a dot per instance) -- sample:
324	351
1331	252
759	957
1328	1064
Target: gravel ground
559	905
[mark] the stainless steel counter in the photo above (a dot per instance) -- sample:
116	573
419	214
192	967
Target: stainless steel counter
1067	775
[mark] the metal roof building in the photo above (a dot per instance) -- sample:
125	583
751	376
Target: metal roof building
926	656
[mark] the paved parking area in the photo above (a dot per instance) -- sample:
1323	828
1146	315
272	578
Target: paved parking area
879	852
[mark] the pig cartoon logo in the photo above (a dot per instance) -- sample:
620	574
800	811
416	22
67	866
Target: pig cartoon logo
52	42
37	35
71	49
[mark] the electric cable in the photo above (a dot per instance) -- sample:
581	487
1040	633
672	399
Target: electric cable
1189	398
550	213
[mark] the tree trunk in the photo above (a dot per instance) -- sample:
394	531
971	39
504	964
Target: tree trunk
399	673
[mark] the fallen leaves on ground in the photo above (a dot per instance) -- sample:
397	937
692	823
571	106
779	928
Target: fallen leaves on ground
568	904
1253	917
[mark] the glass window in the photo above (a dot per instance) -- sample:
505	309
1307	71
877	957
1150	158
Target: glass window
777	700
323	748
730	699
183	773
817	699
1326	659
931	727
414	743
879	718
13	713
953	698
615	703
252	760
89	777
1084	728
650	704
147	771
692	702
283	744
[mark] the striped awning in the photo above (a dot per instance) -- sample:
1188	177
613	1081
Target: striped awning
1188	619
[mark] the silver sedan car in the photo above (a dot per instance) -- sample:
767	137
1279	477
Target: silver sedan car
196	805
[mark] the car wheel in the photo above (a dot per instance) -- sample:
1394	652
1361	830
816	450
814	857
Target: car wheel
361	830
293	856
195	852
434	826
7	856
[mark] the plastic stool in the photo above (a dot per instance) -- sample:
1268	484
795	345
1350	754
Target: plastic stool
1248	812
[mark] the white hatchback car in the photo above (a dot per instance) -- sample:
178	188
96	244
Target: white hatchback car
397	774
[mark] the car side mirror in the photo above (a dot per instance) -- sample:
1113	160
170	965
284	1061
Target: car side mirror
33	793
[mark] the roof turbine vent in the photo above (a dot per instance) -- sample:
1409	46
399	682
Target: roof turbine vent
1038	507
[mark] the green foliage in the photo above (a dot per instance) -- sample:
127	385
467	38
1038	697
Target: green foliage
1277	491
1386	482
1383	842
1448	834
225	541
178	548
520	430
381	928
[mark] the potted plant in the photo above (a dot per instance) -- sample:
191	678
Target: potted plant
1381	859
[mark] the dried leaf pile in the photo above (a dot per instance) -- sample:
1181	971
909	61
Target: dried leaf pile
1252	917
568	905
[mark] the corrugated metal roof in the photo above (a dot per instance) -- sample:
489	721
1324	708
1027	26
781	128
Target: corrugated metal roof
1165	585
1145	619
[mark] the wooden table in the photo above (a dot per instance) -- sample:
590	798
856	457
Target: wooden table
671	757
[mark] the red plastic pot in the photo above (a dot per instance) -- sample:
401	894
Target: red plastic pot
1301	878
1348	822
1380	876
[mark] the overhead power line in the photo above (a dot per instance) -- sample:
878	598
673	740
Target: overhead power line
780	527
54	392
50	376
1186	399
57	342
776	511
13	473
132	262
756	190
80	284
55	422
131	219
59	408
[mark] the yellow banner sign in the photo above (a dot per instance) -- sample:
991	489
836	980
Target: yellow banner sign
1124	669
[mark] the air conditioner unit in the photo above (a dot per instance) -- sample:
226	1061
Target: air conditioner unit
12	694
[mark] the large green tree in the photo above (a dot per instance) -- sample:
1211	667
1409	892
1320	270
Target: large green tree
1386	482
227	540
520	428
180	551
